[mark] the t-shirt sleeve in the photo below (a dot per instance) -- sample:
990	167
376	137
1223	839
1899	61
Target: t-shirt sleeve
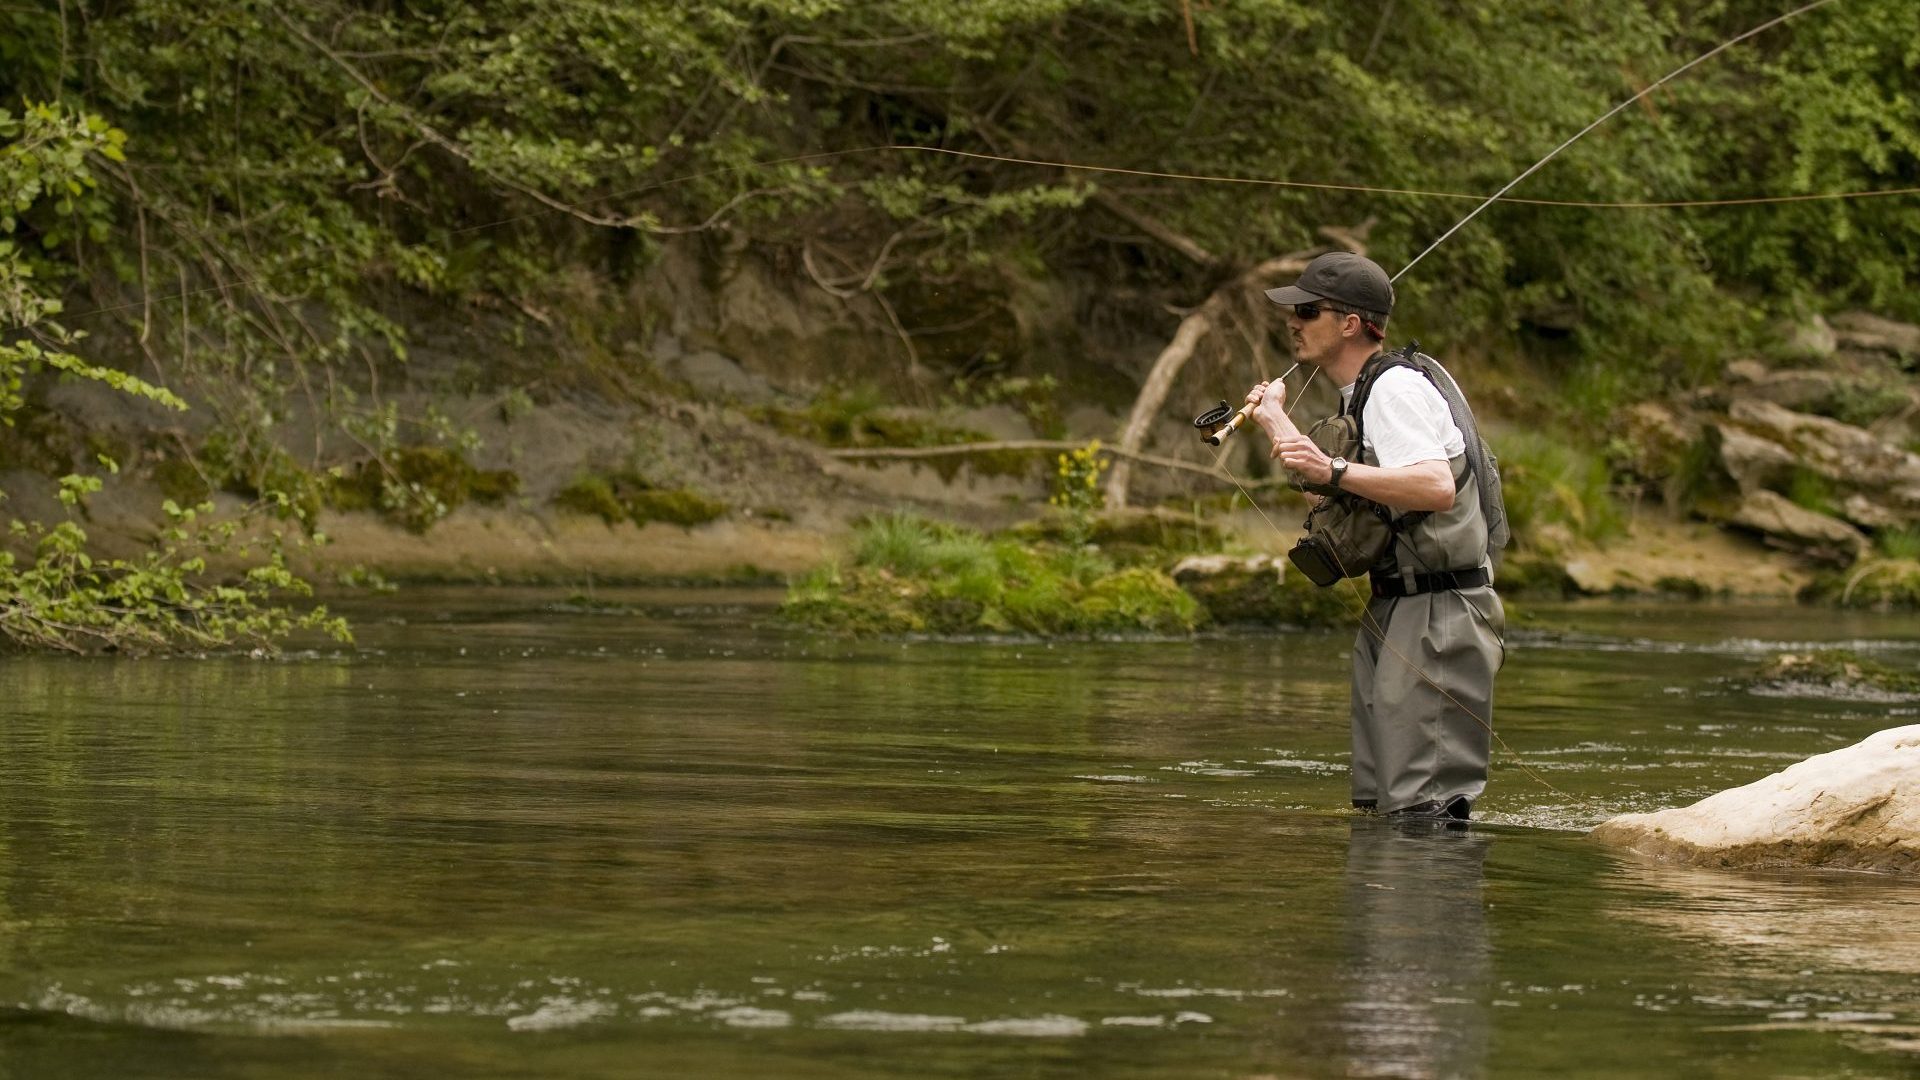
1407	421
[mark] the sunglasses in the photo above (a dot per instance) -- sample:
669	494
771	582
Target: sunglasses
1311	310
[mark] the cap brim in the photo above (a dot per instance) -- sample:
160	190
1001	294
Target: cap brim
1292	294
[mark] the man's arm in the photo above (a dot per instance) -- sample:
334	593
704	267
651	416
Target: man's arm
1423	485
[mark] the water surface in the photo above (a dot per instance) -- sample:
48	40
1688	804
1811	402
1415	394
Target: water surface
505	837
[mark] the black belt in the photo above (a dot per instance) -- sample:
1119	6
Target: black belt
1385	585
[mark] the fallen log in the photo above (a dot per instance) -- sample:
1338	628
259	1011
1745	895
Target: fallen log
908	453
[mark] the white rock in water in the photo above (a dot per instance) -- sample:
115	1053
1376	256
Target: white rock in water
1857	807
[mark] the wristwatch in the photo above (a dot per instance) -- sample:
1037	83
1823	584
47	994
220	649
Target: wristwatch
1339	470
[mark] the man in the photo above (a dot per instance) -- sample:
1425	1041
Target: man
1430	643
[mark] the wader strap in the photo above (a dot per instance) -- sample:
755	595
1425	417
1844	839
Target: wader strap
1395	585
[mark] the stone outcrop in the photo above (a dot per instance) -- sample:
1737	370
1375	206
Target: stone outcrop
1871	333
1827	446
1754	463
1857	807
1775	516
1793	388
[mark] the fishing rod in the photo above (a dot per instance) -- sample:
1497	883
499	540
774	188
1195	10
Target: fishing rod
1226	419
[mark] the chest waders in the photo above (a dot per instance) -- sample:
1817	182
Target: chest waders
1430	644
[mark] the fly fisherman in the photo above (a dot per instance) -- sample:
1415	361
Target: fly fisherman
1430	643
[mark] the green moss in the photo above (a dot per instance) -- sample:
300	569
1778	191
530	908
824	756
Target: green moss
1811	491
1836	668
416	486
1266	596
1154	536
1537	573
181	481
912	575
628	496
1683	587
857	418
591	496
677	507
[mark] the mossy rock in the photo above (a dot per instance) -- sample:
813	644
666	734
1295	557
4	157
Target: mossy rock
1837	669
1144	535
857	420
416	486
1263	590
1535	573
178	479
628	496
1138	598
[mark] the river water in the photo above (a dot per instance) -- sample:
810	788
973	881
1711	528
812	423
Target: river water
662	836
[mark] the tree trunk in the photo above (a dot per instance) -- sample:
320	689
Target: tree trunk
1193	329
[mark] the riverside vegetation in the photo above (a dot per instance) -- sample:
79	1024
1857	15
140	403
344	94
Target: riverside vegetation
353	238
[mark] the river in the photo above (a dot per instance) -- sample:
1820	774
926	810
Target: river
660	835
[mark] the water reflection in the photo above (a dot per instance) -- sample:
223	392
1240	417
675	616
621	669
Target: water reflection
1418	963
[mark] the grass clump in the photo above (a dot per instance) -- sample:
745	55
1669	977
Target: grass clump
628	496
1547	481
1887	579
908	574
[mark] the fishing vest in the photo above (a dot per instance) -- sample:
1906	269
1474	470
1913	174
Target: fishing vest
1404	553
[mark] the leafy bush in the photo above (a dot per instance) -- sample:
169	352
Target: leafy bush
1550	481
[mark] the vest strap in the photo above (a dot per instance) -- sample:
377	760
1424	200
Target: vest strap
1388	586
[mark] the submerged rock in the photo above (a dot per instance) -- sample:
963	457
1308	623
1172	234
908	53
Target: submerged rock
1834	673
1855	808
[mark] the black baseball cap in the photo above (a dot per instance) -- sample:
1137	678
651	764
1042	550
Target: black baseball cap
1343	277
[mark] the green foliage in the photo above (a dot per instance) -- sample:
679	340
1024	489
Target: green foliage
912	575
628	496
50	196
1898	543
1550	481
1888	581
59	594
470	152
1864	401
1076	480
62	596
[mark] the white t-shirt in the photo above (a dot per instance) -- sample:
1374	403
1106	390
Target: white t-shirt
1407	420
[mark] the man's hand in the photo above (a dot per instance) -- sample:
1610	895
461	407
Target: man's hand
1269	401
1300	455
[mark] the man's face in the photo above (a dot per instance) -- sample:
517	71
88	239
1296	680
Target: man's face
1317	340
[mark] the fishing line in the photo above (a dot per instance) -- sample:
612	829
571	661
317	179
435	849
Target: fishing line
1610	113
